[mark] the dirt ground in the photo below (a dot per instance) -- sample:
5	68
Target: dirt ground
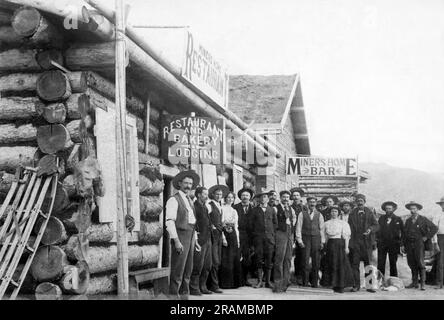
296	293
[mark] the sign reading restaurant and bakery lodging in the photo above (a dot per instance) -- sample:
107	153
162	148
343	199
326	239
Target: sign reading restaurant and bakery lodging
203	71
322	167
192	140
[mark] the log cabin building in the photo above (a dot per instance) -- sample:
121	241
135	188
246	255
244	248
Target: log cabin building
57	107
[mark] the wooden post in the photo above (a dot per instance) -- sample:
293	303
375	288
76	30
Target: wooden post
147	124
122	244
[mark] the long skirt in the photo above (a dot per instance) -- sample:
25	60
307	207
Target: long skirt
338	265
230	268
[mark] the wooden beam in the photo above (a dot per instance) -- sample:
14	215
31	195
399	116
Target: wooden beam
147	124
122	242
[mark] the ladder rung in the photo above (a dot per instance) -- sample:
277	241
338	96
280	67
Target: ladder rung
44	215
14	283
29	248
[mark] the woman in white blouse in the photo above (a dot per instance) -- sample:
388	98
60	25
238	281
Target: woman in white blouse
337	234
229	276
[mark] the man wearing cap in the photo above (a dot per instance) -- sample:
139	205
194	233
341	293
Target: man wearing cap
263	224
180	223
298	207
202	259
391	229
286	222
243	209
363	224
417	230
346	207
438	241
217	193
310	236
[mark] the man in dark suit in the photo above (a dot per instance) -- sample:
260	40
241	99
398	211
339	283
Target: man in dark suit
263	225
391	229
243	209
363	224
418	229
298	207
202	259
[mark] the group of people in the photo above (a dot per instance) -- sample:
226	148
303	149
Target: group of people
217	244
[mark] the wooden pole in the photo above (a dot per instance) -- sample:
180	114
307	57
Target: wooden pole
122	244
147	126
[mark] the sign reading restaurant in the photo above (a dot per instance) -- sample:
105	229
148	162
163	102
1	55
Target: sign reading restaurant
324	167
192	140
203	71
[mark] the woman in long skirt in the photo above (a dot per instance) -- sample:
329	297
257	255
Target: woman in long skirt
337	232
230	270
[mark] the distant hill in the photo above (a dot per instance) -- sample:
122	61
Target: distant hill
402	185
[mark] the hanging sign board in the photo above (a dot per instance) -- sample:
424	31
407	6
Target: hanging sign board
322	167
203	71
192	140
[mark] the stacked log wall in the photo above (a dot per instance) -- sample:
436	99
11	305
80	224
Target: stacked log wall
46	114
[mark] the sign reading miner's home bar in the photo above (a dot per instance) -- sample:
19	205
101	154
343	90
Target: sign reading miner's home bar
202	70
322	167
186	139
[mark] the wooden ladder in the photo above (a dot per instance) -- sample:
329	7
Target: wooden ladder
29	192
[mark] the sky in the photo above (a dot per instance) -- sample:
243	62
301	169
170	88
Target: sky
372	72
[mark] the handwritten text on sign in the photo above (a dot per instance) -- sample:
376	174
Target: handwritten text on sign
324	167
192	140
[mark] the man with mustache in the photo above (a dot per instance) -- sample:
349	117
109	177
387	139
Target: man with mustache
298	207
417	230
180	223
310	236
244	212
286	221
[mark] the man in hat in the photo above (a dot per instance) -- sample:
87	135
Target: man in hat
202	259
417	230
243	209
346	207
273	200
363	224
328	202
438	241
180	223
298	207
263	224
310	237
391	229
286	223
217	193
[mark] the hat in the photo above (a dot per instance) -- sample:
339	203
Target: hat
360	196
297	189
262	192
395	206
441	200
250	191
324	199
225	190
413	203
184	174
311	197
284	192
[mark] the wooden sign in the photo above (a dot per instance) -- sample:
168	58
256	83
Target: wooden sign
192	140
322	167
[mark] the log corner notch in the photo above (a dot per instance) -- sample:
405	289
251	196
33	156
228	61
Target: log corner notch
53	86
35	29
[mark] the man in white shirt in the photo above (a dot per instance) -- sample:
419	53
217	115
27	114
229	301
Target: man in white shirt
180	224
310	236
438	241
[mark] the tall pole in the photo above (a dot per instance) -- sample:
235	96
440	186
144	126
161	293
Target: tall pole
122	243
